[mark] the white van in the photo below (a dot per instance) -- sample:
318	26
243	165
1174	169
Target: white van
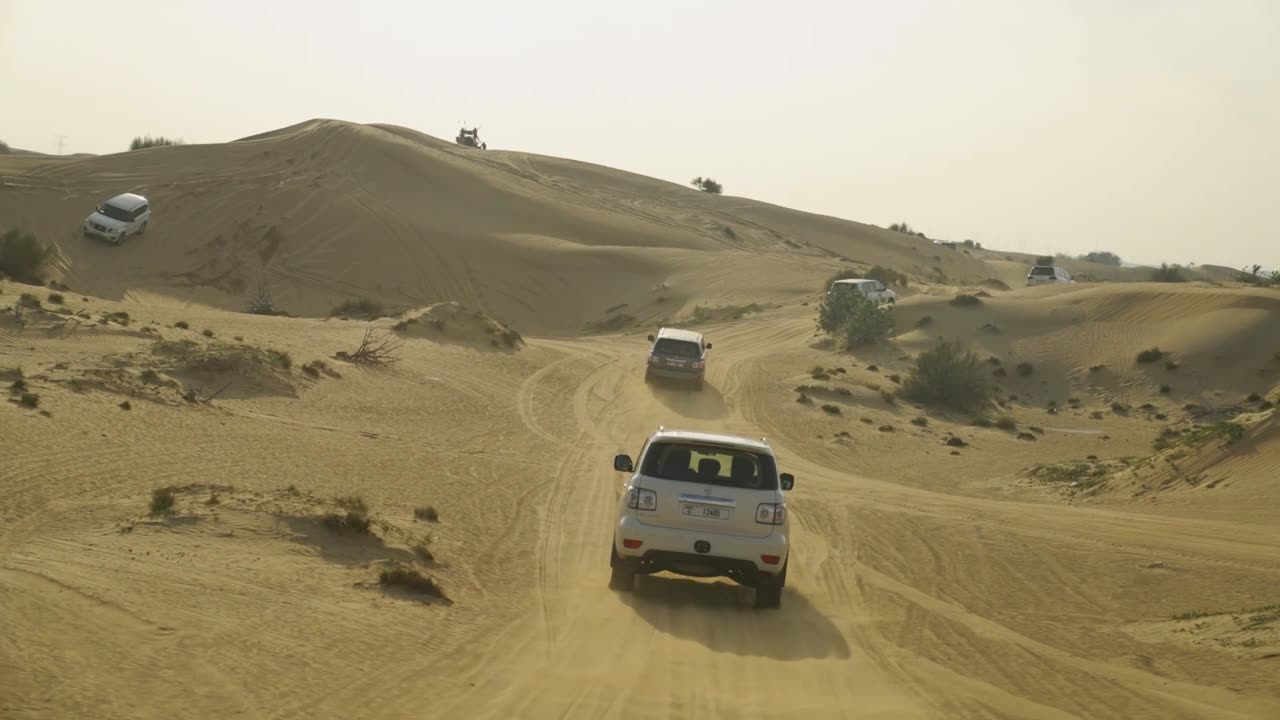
118	218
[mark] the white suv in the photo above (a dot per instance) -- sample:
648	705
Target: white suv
121	216
703	505
1048	274
873	289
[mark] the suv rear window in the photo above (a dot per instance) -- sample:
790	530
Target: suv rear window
1046	271
676	348
710	465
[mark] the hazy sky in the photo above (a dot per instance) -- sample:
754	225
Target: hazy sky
1148	128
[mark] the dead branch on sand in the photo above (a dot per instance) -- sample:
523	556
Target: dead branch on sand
219	392
375	350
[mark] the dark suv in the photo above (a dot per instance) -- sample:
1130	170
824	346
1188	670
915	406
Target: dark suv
677	355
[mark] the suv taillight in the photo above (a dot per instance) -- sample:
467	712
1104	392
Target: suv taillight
641	499
771	513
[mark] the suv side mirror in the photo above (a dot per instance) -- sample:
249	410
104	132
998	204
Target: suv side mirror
622	463
650	338
788	481
708	346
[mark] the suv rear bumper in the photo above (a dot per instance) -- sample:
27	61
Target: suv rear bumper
672	549
675	373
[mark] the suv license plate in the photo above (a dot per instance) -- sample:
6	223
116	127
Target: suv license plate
710	512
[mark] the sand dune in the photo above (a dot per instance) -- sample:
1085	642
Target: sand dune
334	537
325	211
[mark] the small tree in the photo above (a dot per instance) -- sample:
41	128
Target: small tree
906	229
951	377
1255	276
23	257
1044	260
707	185
262	304
4	148
851	316
1168	273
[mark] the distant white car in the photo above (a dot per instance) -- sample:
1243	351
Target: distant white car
118	218
677	354
1048	274
703	505
873	289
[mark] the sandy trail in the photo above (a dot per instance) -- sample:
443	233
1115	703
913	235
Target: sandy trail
904	602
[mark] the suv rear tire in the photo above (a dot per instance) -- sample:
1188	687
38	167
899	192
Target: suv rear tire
769	590
622	574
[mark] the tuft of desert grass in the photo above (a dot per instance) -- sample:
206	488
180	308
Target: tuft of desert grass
162	500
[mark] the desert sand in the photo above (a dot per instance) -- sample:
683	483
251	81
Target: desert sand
1112	556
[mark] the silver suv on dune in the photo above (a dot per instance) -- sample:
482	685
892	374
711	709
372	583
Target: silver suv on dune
116	219
679	355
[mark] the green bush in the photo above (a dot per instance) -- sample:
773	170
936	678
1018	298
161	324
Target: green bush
363	307
162	500
854	318
949	376
888	276
1150	355
1102	257
405	576
23	257
281	358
